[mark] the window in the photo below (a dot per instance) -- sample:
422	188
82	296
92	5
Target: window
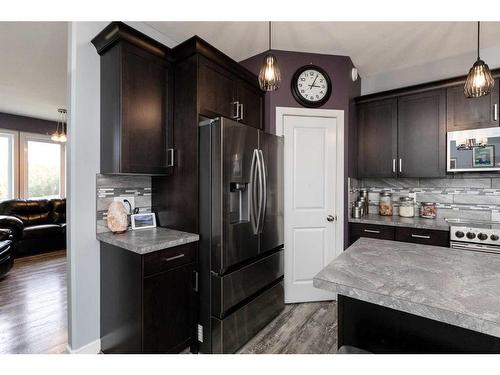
8	163
32	166
42	167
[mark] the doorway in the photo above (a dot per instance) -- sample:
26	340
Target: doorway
314	196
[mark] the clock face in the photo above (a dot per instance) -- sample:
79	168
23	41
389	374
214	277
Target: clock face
311	86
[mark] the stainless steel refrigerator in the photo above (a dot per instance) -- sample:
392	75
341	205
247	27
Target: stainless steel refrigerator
241	233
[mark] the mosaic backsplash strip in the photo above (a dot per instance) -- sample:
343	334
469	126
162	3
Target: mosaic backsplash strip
474	198
110	186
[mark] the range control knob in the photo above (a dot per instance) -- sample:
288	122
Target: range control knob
494	237
482	236
459	234
471	235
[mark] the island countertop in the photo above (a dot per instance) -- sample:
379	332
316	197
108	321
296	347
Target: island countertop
457	287
143	241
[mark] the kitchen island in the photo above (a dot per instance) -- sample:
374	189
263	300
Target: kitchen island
396	297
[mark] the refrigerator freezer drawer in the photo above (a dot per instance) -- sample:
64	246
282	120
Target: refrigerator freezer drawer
233	288
229	334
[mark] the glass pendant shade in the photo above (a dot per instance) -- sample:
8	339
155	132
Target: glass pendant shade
479	80
269	75
60	134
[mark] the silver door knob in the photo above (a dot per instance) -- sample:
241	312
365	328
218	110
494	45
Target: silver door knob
330	218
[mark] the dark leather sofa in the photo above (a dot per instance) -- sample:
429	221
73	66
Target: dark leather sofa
37	225
6	255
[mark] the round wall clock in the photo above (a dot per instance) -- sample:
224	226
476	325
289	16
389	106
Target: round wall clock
311	86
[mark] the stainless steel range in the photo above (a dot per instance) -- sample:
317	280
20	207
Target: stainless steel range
479	237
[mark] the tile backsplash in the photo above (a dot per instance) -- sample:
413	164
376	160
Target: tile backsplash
110	186
475	197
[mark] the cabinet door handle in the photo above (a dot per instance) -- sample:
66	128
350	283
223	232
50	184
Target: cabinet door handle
400	165
237	106
371	231
495	112
195	281
173	258
393	165
241	111
421	236
170	157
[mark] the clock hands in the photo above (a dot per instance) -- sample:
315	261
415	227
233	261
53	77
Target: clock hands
313	84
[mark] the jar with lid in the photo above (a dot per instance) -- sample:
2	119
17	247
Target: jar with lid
406	207
385	204
428	210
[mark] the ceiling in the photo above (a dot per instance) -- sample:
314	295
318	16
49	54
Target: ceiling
374	47
33	68
34	54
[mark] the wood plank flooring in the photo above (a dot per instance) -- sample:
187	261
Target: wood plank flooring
304	328
33	304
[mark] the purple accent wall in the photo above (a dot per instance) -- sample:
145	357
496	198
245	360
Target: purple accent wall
26	124
343	93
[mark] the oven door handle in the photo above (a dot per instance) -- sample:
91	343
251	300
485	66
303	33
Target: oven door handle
471	247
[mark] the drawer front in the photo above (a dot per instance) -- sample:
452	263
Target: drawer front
167	259
233	288
423	236
372	231
229	334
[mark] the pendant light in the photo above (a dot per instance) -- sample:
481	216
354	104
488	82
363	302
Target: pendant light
60	134
479	80
269	74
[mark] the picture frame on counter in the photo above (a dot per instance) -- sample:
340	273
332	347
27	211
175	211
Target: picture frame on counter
143	221
483	156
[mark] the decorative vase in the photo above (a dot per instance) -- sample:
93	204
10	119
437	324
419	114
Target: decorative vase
117	218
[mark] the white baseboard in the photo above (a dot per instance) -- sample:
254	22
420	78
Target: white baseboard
93	347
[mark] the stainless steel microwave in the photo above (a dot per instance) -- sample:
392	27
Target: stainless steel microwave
473	150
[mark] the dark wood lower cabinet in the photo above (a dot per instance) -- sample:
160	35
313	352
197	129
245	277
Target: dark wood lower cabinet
382	330
403	234
148	302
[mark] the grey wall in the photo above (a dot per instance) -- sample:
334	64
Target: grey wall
343	92
83	165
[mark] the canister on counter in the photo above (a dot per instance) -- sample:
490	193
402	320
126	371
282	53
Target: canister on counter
385	204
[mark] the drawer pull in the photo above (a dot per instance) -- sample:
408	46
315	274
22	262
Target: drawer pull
173	258
421	236
371	231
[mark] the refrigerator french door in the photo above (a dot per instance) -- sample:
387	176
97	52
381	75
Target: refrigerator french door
241	233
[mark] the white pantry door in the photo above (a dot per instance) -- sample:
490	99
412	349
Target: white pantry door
313	199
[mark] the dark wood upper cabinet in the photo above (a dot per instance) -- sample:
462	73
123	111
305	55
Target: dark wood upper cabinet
422	134
251	99
136	102
377	137
464	113
216	90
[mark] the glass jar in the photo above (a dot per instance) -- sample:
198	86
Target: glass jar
406	207
385	204
428	210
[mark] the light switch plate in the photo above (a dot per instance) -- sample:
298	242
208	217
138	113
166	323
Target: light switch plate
131	199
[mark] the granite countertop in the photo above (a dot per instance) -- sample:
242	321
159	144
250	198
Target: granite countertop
457	287
398	221
143	241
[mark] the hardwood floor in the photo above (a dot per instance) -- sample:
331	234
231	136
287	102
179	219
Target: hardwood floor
304	328
33	299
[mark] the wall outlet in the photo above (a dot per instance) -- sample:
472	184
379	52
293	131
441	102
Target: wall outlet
131	199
